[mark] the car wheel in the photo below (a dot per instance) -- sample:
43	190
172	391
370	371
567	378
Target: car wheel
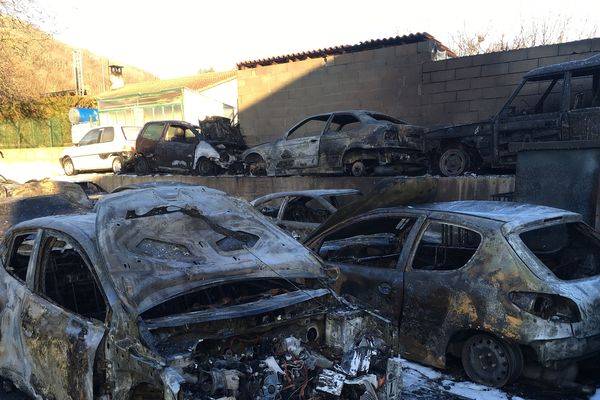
141	166
117	165
491	361
68	167
358	168
256	166
205	167
453	162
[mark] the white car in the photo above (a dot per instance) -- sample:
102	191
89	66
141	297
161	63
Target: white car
102	148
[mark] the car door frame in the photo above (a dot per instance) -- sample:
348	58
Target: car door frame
391	279
333	145
288	149
576	117
166	151
290	226
79	339
83	156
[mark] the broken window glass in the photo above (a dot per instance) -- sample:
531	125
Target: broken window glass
537	97
20	255
271	208
305	209
309	128
66	279
570	251
343	123
445	247
585	91
375	243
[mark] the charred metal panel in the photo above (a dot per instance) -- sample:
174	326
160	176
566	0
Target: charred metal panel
560	175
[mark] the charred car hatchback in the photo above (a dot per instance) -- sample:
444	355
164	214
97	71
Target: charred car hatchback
495	284
173	293
355	142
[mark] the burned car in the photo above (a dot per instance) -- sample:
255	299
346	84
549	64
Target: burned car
178	146
180	293
559	102
498	285
354	142
301	212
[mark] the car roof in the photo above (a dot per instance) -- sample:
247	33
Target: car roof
591	62
307	193
502	211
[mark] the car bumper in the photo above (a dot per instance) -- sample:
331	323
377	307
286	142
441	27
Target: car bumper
557	353
401	155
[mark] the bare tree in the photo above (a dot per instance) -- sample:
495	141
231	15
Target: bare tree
544	31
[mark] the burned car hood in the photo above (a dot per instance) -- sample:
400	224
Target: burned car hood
164	241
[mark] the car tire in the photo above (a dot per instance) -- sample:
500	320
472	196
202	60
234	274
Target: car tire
256	165
117	165
141	166
453	161
358	168
68	167
491	361
205	167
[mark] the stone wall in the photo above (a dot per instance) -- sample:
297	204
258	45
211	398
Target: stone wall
401	80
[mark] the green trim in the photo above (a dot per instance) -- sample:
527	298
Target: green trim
138	106
139	94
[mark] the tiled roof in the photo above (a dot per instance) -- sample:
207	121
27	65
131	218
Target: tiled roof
362	46
197	82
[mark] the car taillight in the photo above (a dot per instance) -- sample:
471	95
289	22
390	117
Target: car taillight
547	306
390	135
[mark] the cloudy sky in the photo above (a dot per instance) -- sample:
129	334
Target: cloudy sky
178	37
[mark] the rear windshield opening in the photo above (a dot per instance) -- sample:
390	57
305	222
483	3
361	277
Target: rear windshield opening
226	295
571	251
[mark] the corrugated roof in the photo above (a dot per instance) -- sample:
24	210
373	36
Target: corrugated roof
197	82
362	46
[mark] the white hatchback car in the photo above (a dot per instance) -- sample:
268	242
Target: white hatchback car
102	148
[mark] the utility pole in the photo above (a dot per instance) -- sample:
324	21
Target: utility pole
78	70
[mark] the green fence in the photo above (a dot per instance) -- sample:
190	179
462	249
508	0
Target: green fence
54	132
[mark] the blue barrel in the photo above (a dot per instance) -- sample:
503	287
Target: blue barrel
79	115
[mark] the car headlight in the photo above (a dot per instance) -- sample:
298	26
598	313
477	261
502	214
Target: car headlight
547	306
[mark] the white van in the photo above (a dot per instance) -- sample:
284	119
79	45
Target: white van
102	148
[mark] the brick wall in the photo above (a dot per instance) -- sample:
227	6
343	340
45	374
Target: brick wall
401	81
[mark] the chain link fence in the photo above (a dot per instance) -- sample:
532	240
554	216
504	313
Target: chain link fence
29	133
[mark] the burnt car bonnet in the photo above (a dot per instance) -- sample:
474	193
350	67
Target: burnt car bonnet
163	241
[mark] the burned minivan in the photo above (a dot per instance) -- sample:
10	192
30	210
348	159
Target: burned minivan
499	286
179	292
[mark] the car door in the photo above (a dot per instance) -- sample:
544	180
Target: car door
436	289
175	149
535	112
82	154
300	147
342	130
370	253
146	141
62	320
16	261
104	148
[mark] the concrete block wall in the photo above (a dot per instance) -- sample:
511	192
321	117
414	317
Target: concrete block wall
402	81
469	89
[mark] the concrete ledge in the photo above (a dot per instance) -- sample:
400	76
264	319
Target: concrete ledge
456	188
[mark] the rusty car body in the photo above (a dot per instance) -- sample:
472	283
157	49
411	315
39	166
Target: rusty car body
178	146
356	142
301	212
559	102
498	285
180	292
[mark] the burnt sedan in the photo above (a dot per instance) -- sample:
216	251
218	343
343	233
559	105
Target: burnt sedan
497	285
301	212
355	142
174	293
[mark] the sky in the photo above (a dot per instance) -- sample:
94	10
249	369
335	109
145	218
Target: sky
179	37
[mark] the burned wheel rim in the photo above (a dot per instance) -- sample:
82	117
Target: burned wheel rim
204	167
358	169
453	162
117	165
141	166
491	361
68	167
